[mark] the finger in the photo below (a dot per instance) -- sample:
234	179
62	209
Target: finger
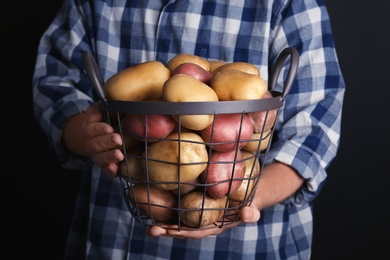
195	234
203	232
103	159
250	214
102	143
111	170
156	231
98	128
94	113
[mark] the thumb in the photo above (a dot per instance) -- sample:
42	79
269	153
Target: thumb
250	214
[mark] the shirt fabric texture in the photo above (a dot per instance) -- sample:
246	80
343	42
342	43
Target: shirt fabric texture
123	33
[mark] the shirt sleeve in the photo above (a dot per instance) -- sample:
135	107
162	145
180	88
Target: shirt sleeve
307	132
61	89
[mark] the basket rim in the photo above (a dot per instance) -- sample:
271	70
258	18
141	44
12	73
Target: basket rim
194	108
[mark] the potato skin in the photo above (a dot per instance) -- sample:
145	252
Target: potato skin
227	129
259	142
214	64
252	170
237	85
213	209
220	171
186	188
163	159
148	127
185	57
129	142
238	65
261	120
132	169
162	202
140	82
185	88
195	71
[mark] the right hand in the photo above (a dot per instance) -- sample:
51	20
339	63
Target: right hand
86	135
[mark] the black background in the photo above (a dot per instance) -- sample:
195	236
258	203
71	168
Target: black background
351	219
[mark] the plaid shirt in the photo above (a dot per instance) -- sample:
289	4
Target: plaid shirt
124	33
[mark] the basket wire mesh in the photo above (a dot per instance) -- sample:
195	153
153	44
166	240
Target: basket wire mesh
147	198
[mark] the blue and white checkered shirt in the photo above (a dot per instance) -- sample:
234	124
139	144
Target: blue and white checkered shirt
124	33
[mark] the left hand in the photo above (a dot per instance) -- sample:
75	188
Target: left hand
249	214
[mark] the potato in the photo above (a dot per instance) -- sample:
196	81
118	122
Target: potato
184	88
258	142
252	170
164	157
195	71
148	127
224	173
154	203
129	142
185	188
191	206
131	169
140	82
185	57
238	65
227	129
238	85
263	120
214	64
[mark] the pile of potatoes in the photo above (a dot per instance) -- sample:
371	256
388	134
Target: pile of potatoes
191	168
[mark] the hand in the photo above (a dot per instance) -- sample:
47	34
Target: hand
86	135
102	141
249	214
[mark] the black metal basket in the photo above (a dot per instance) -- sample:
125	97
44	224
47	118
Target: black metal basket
182	201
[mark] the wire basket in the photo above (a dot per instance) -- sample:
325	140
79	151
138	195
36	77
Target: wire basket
193	179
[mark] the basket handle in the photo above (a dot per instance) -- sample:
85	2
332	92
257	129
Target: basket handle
292	71
94	75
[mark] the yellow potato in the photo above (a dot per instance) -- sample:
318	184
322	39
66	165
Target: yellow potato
184	88
238	85
157	204
184	58
214	64
131	169
164	157
185	188
140	82
258	142
252	170
213	209
241	66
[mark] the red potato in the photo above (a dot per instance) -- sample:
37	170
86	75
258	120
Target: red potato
263	120
151	127
221	170
194	70
227	132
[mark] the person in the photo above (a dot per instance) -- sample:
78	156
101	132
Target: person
119	34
